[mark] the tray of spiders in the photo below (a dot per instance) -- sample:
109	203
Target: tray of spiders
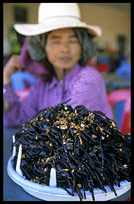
71	154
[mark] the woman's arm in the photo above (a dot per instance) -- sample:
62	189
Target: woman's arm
12	66
19	112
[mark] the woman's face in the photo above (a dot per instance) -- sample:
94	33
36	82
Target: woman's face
62	48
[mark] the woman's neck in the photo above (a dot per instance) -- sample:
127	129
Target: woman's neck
61	73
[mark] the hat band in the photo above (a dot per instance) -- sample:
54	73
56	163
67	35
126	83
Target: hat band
50	18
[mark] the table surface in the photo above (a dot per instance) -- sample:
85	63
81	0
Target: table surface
113	82
12	191
113	76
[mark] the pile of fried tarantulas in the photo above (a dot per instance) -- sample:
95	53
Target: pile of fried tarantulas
84	147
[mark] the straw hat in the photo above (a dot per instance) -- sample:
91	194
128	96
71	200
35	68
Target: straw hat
52	16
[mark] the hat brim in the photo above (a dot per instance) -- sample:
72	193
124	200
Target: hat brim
54	24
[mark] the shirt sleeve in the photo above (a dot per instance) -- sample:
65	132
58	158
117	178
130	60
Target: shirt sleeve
19	112
89	89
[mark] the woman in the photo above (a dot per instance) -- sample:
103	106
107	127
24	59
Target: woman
62	45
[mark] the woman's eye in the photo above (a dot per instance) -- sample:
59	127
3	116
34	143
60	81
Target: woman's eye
56	42
73	41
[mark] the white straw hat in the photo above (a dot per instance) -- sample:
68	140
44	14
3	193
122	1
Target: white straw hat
52	16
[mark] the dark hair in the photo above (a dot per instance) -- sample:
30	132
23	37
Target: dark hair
88	47
36	47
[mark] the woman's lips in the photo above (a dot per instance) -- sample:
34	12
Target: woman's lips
65	59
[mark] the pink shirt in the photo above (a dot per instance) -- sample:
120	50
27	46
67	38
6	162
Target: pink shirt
84	85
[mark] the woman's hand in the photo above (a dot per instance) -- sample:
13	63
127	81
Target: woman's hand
12	66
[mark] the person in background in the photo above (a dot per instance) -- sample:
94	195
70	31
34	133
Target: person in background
59	46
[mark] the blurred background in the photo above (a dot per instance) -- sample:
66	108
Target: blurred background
114	46
113	18
113	57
